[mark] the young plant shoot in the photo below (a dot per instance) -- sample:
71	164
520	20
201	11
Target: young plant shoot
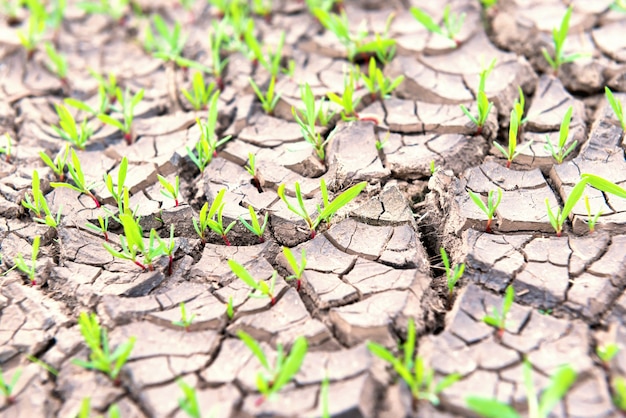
379	86
296	268
101	228
603	185
212	219
206	147
6	386
328	210
498	317
452	23
254	226
347	101
453	274
269	100
513	151
6	148
168	248
39	205
76	173
29	270
133	245
57	64
411	368
69	131
200	94
115	9
616	105
538	407
558	38
260	289
128	105
189	402
170	190
252	170
492	204
591	219
101	358
482	102
557	219
559	152
285	367
216	41
185	320
58	164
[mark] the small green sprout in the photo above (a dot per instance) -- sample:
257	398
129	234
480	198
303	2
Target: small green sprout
260	289
452	274
382	47
328	210
520	107
251	168
254	226
558	38
483	104
411	368
282	371
377	84
69	131
185	321
34	32
133	245
101	358
490	208
76	173
488	4
101	228
591	219
452	23
116	9
31	270
189	402
606	352
216	41
560	152
108	84
618	384
6	149
617	107
619	6
58	164
200	94
58	63
314	112
168	44
270	61
118	192
230	309
560	383
167	248
207	146
128	105
207	219
296	268
103	103
43	365
381	144
262	8
6	387
324	398
513	151
433	168
170	190
269	100
498	317
39	206
557	219
347	101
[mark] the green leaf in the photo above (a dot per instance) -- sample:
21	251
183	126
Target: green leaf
604	185
110	121
560	383
573	198
446	382
340	201
292	363
381	352
478	202
426	21
241	272
254	346
490	408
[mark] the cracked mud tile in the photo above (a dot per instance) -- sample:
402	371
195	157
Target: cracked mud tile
605	137
212	265
327	290
33	394
266	131
369	277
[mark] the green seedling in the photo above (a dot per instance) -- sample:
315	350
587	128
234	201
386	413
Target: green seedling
237	17
488	4
314	112
618	386
557	219
498	317
377	84
101	358
108	84
189	402
347	101
382	47
168	248
85	410
29	270
296	268
520	107
34	32
6	149
538	407
170	190
270	61
128	105
6	386
185	321
453	274
39	206
433	168
206	147
328	210
58	63
619	6
279	374
103	103
262	8
617	107
452	23
312	136
326	5
269	100
200	93
251	168
117	191
168	44
133	245
603	185
324	398
254	226
606	353
260	289
69	131
591	219
58	164
230	309
216	43
116	9
381	144
212	219
76	173
492	204
559	152
412	370
43	365
558	38
483	104
101	228
513	151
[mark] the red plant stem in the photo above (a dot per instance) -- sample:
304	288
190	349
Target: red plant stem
33	282
500	333
369	119
508	164
169	267
94	200
226	241
220	83
8	158
558	233
262	240
313	233
299	283
106	236
128	137
273	300
259	401
479	130
150	267
488	227
175	202
139	264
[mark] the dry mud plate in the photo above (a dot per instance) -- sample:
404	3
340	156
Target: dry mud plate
372	269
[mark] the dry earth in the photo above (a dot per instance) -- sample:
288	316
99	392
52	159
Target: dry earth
375	267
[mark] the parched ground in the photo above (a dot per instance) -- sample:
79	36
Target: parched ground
375	267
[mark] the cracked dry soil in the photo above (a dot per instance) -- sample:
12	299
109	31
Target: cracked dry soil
375	267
